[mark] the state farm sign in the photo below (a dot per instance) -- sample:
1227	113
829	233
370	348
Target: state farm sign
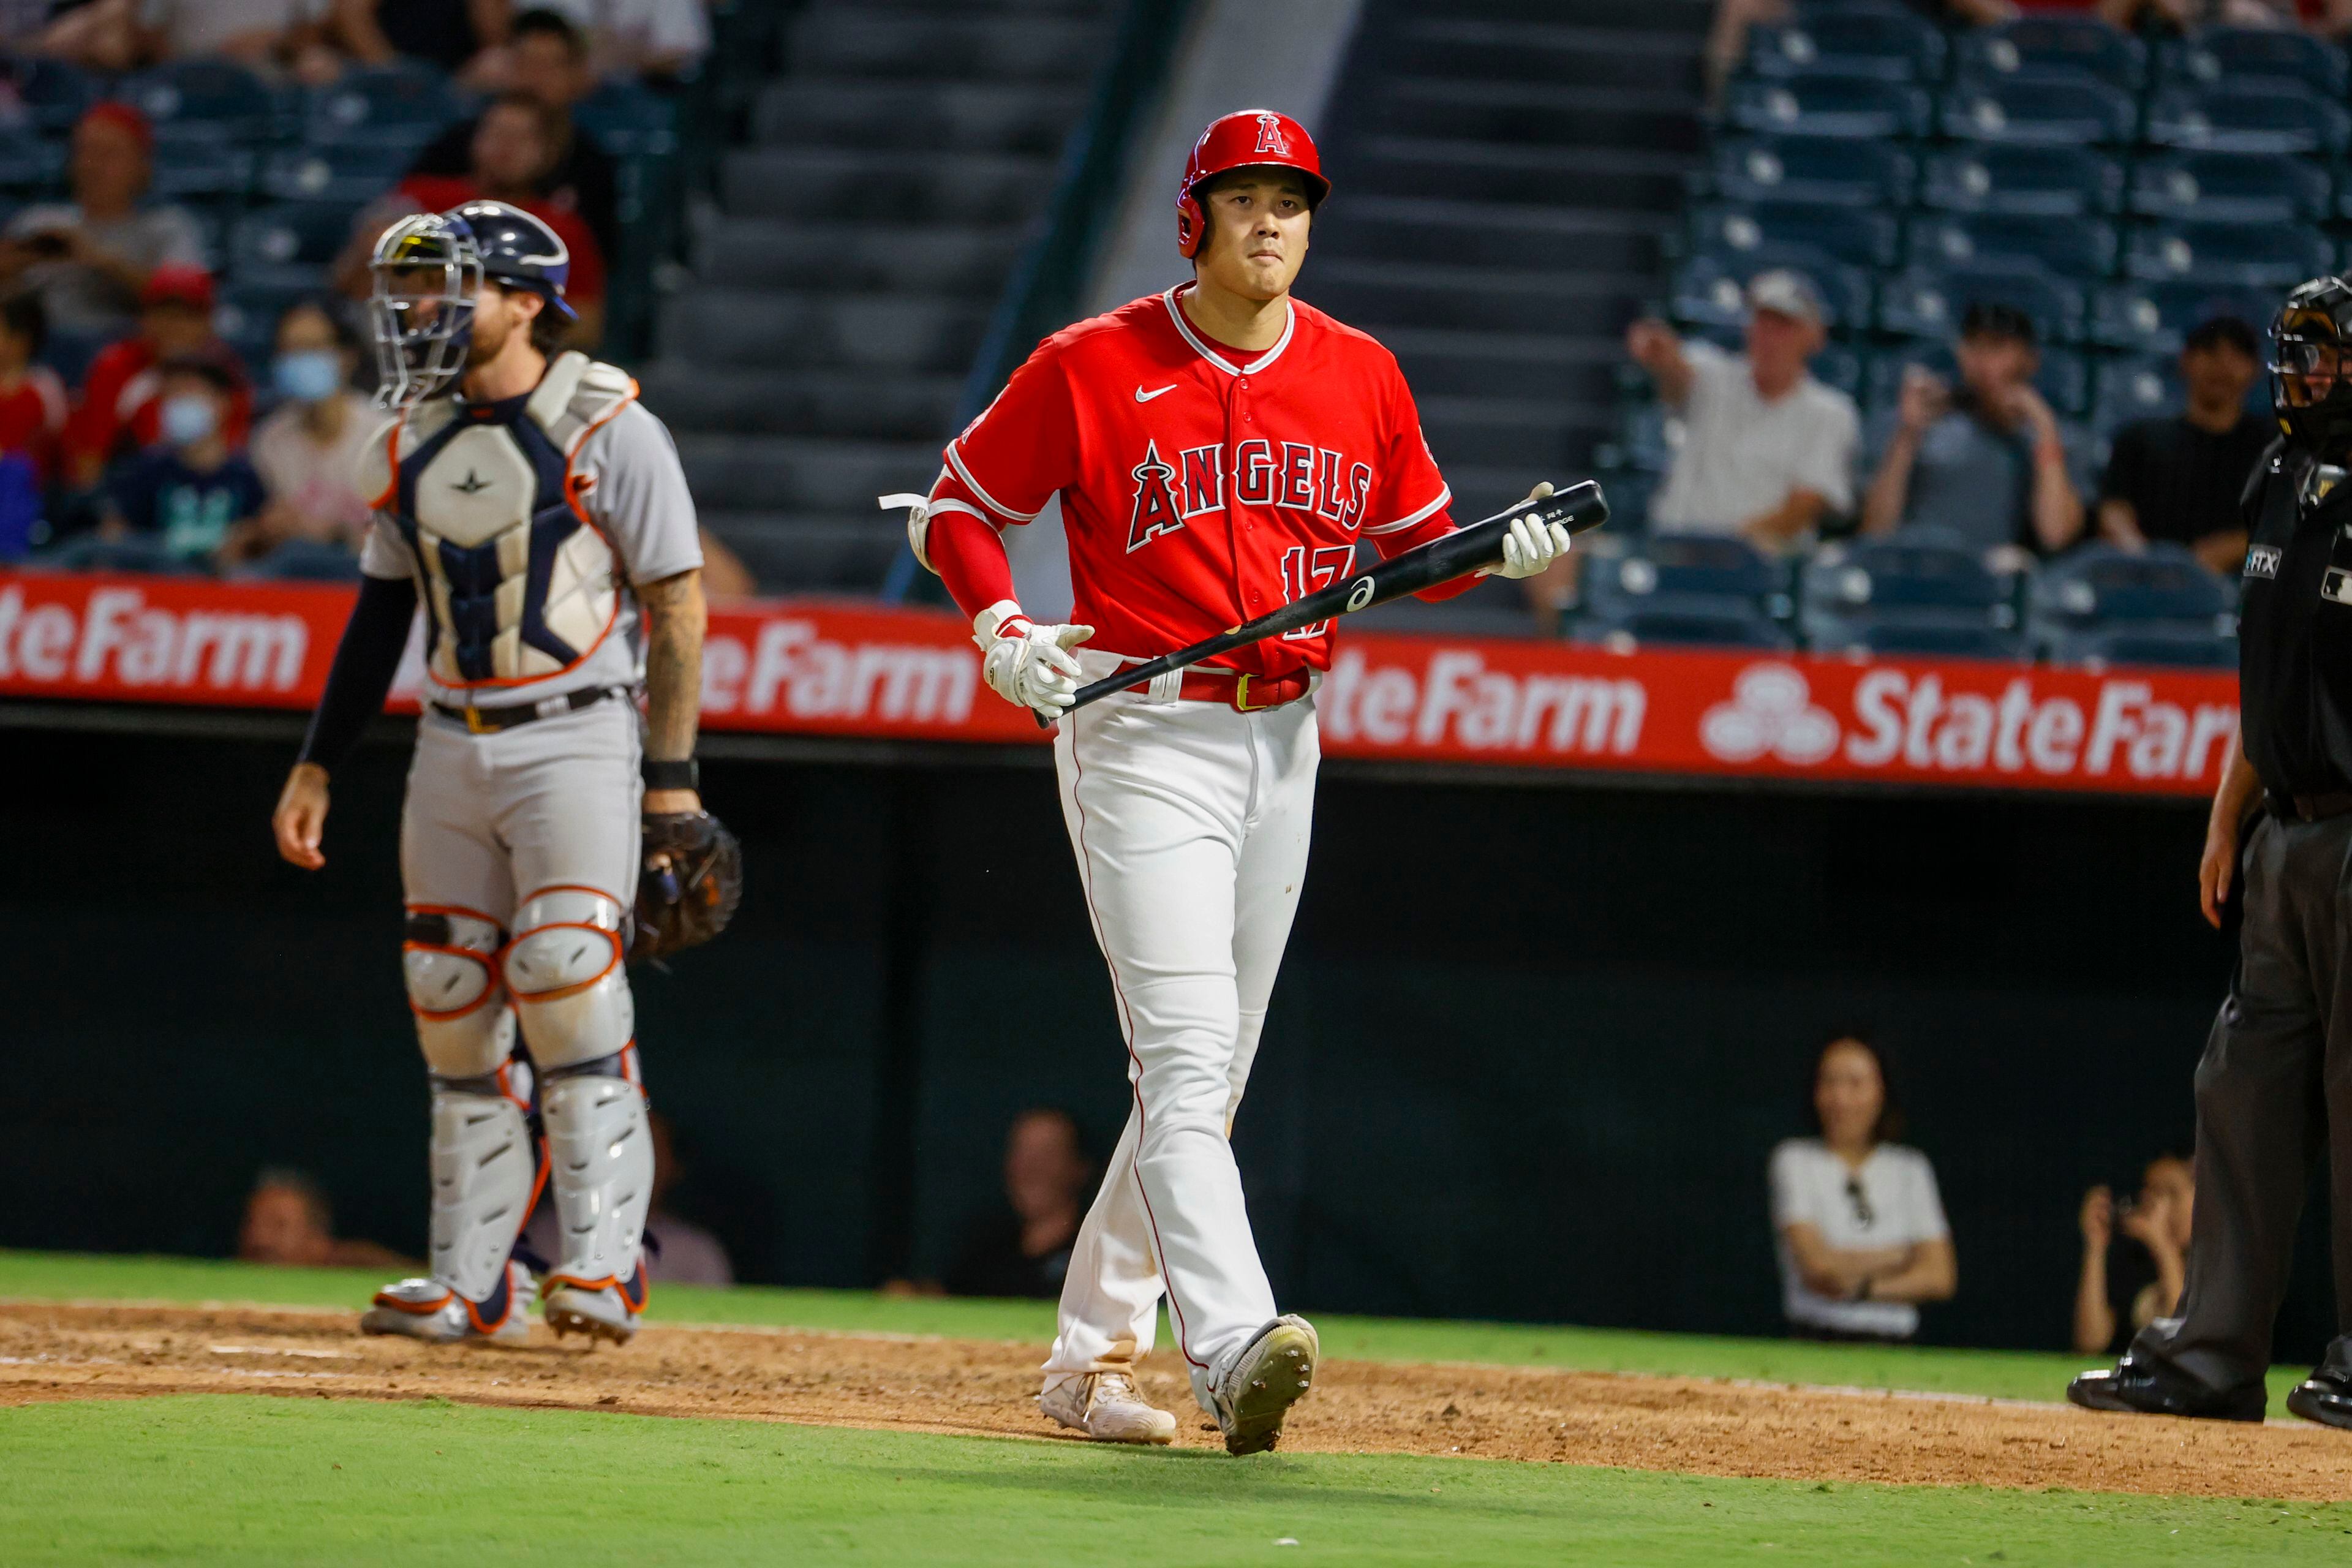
850	667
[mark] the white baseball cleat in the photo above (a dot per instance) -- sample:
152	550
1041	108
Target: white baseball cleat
430	1310
1106	1407
1265	1378
600	1308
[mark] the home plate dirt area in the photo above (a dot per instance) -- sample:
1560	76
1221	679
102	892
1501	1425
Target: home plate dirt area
1712	1428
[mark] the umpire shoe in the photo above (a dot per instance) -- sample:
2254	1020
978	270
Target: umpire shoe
1266	1377
600	1308
1106	1407
2138	1386
429	1310
2325	1397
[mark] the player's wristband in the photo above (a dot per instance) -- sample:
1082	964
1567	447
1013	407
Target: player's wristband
660	774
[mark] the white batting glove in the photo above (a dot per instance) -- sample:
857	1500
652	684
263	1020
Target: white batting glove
1028	665
1530	546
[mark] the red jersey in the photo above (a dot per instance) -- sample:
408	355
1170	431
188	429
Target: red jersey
1200	487
32	417
119	408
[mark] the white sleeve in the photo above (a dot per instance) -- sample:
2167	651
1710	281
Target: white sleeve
1927	1203
1792	1197
1825	466
638	495
1707	366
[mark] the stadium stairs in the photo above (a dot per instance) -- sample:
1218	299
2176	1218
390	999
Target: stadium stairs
843	287
1507	172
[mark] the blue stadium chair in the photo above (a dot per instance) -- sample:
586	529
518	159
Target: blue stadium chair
2187	647
628	119
353	174
1646	441
234	102
1709	291
246	318
54	94
2063	379
2054	49
1928	302
1856	237
2231	187
1916	571
142	553
1927	635
1683	624
305	560
2070	247
30	167
1682	570
1887	46
287	245
1821	168
1840	368
2212	55
404	106
2024	180
2099	587
193	164
2155	317
2039	112
1829	106
2133	389
2273	117
2242	255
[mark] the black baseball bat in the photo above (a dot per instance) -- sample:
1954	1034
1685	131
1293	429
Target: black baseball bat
1579	508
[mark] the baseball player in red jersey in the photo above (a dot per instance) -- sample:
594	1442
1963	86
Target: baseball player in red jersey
1220	450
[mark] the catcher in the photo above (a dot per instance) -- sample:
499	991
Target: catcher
539	514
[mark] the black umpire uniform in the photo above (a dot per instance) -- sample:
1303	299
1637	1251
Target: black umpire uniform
2274	1086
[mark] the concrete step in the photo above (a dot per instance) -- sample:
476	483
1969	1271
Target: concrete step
1531	114
692	394
1375	295
1438	363
754	473
1565	54
960	262
1027	118
806	552
1454	169
1396	229
834	41
823	182
1556	437
911	332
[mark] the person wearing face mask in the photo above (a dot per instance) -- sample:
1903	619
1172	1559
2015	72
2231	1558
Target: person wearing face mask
117	412
191	489
307	450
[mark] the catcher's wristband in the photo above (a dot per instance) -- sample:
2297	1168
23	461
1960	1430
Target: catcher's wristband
659	773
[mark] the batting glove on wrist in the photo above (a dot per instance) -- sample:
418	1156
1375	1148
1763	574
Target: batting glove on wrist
1531	545
1028	665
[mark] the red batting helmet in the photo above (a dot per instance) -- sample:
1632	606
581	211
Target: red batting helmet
1247	139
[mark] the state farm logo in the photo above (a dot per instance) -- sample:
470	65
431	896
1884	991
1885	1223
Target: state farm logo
1771	711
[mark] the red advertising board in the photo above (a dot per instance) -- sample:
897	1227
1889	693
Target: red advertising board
850	668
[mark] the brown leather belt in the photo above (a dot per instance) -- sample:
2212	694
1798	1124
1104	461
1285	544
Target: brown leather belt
2311	807
1242	692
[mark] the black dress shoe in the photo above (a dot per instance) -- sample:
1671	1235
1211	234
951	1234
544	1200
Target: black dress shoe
2325	1397
2150	1388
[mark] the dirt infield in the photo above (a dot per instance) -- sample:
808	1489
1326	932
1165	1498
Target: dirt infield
80	1352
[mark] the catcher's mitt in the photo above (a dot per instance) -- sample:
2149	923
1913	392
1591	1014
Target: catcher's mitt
692	880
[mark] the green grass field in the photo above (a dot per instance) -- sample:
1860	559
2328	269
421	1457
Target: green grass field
251	1479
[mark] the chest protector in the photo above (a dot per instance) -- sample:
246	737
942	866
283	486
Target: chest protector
516	582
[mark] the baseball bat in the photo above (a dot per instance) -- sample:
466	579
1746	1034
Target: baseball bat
1579	508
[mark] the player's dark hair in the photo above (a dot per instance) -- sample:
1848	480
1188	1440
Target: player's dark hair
1891	1120
554	24
548	328
22	314
2223	331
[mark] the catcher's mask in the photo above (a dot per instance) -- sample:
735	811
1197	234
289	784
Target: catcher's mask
2311	367
427	276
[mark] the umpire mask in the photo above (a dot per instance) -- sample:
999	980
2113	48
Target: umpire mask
2311	367
427	273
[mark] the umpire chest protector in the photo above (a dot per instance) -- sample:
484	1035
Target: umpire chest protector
518	583
2295	630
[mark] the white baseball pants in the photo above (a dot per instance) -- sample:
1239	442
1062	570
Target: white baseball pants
1190	824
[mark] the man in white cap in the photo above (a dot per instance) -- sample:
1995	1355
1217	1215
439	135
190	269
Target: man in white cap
1767	451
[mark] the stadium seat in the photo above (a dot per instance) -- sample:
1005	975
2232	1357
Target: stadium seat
246	317
353	174
1686	623
2100	587
1648	437
402	106
1929	302
2039	112
1819	169
193	164
215	93
1886	45
142	553
2189	646
2055	50
627	119
1855	237
1927	635
2212	55
2230	187
2070	247
2277	118
287	245
305	560
2244	256
1829	106
28	165
1683	570
2131	389
2153	317
1920	568
1710	291
54	94
2025	181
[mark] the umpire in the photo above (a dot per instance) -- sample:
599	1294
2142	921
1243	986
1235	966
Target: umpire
2277	1070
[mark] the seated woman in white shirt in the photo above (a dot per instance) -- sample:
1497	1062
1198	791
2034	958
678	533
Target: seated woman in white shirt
1861	1233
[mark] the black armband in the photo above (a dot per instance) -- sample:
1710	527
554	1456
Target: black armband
366	661
660	774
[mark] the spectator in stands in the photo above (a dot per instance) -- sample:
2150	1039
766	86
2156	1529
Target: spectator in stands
1862	1237
289	1222
192	489
88	257
1987	464
1023	1248
680	1251
642	38
2186	15
117	414
33	406
548	59
1767	451
2181	478
267	35
307	450
514	145
460	36
2128	1283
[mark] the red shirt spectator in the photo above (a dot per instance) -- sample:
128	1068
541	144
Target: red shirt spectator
32	399
439	193
118	409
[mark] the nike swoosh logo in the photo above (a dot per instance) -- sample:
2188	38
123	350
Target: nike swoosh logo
1143	397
